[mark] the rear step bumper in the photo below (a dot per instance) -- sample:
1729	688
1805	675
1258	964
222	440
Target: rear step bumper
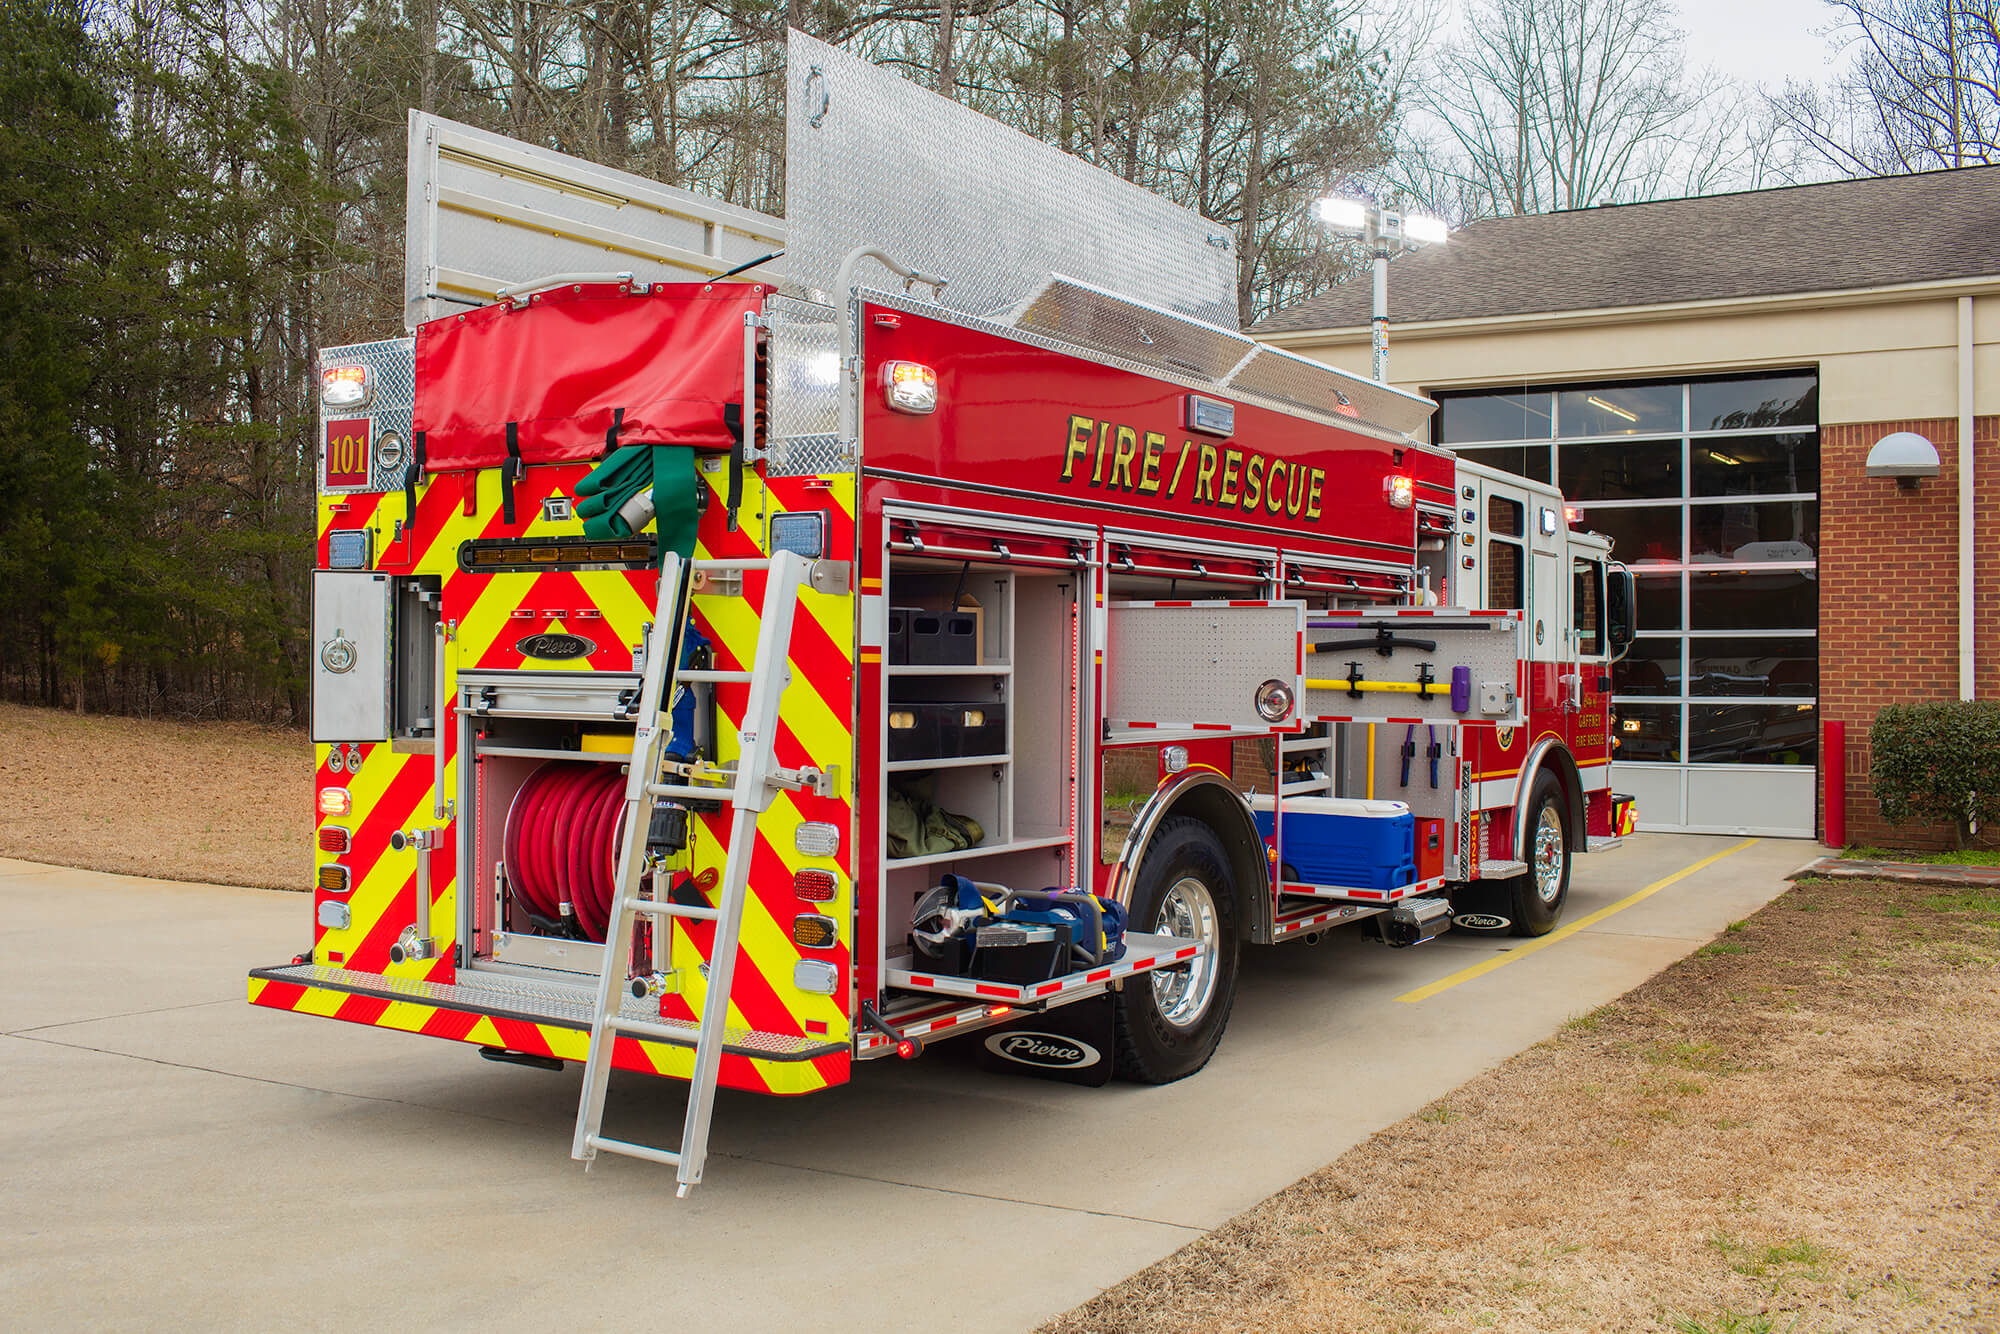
557	1016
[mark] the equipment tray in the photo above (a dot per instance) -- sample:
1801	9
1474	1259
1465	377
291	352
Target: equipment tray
1143	954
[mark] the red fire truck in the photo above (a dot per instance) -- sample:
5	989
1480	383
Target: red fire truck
740	675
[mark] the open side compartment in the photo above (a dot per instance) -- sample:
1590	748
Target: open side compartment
548	752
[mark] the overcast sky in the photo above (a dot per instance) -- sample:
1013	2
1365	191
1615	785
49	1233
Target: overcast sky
1760	41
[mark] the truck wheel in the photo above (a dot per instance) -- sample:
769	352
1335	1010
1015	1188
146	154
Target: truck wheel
1538	896
1170	1021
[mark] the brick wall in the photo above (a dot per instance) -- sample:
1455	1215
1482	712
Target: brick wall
1888	610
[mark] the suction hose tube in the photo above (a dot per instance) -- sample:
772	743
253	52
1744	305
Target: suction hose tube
561	843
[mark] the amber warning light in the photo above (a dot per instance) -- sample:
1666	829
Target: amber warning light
344	386
910	386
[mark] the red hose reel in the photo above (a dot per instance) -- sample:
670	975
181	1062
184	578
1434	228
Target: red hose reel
561	841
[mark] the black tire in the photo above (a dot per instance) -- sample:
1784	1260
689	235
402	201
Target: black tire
1156	1045
1537	908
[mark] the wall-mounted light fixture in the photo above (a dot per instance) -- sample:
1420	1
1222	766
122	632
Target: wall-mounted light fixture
1905	456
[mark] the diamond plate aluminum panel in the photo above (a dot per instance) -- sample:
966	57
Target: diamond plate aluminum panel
804	388
871	159
1159	371
486	212
540	1003
1088	316
392	364
1198	664
1299	382
1489	645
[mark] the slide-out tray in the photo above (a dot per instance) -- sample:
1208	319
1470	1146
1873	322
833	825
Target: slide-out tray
1143	954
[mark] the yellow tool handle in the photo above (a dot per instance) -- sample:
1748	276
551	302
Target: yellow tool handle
1404	687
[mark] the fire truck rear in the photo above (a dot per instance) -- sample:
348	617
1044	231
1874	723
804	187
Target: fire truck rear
731	670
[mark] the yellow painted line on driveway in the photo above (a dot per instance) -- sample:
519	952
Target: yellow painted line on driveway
1565	932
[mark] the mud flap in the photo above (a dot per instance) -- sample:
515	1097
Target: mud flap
1073	1044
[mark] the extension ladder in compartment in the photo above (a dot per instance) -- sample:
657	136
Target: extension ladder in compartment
754	783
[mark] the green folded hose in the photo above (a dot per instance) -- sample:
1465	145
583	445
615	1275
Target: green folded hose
611	504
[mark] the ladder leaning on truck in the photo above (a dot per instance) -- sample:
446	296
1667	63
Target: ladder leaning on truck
728	681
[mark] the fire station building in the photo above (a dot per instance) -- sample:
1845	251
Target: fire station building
1706	379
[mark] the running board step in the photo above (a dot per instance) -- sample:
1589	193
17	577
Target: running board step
1501	870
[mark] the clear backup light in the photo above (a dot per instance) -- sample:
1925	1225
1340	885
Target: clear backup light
816	838
344	386
910	386
1400	490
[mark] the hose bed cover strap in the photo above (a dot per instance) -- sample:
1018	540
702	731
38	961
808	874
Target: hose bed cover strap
563	366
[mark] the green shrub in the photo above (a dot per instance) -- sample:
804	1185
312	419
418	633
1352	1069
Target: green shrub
1938	762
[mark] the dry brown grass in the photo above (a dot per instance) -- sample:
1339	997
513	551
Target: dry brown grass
1796	1129
227	803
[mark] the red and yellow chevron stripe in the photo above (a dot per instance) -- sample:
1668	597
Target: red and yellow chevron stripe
391	786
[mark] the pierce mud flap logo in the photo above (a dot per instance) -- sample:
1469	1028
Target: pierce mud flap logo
1043	1049
1481	921
553	647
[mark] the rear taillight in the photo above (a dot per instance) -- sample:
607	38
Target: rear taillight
816	886
334	838
335	801
333	878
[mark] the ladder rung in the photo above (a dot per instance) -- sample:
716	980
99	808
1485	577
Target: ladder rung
665	1156
699	911
685	792
647	1028
713	677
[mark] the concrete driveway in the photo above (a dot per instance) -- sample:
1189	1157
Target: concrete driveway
176	1159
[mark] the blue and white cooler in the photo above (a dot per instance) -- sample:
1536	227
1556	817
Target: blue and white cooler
1342	841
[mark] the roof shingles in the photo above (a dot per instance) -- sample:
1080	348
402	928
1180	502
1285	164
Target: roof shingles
1836	236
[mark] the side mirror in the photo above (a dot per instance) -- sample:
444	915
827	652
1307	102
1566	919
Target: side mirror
1621	603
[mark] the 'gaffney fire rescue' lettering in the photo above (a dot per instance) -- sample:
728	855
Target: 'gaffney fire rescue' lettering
1114	457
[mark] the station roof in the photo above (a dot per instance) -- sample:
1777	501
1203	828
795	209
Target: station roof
1836	236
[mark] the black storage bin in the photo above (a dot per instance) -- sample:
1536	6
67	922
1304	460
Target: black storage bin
1041	955
944	638
972	729
913	731
899	634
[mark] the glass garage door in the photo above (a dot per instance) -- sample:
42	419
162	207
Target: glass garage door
1710	491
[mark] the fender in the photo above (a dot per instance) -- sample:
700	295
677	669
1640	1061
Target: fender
1552	754
1207	796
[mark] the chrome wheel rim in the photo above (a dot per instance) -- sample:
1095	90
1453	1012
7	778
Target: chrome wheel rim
1188	912
1548	855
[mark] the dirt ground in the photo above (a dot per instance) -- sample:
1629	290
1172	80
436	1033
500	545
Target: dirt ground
1795	1129
227	803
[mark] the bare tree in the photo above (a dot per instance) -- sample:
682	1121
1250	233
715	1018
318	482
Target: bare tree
1923	91
1556	104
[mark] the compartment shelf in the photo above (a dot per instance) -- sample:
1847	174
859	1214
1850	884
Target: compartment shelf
948	762
954	669
538	753
984	850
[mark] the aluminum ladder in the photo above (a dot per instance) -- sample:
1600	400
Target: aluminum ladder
757	778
